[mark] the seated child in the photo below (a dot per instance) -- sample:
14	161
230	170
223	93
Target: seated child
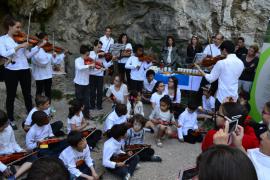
76	122
135	136
43	104
188	130
76	157
134	105
157	94
118	116
163	117
148	85
208	103
112	149
8	146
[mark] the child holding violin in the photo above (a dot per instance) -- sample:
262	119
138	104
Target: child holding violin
42	66
148	86
9	146
138	68
119	162
77	158
135	140
81	80
96	76
18	70
76	122
134	104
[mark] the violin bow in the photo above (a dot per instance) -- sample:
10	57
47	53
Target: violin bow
209	42
28	28
134	154
18	160
90	133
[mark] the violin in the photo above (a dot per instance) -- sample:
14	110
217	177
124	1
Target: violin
120	158
125	53
45	143
146	58
210	61
6	159
88	133
165	123
48	47
108	56
22	37
135	147
90	61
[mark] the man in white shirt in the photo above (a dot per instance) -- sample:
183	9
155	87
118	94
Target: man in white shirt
213	49
227	72
107	40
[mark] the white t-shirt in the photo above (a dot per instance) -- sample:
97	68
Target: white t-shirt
155	98
113	119
169	59
213	51
149	86
77	120
208	104
261	163
120	94
157	114
28	120
178	94
187	121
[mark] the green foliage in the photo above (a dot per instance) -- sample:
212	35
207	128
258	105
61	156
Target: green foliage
57	94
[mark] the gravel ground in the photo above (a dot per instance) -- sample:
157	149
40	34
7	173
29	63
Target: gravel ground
175	155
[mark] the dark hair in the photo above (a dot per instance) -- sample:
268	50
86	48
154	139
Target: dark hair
48	168
40	118
74	137
228	45
41	100
167	100
132	97
118	130
218	34
150	72
225	162
96	42
170	37
120	77
175	85
136	47
9	21
267	105
108	27
120	109
75	107
121	36
231	109
138	118
41	35
192	105
84	49
245	95
198	45
241	39
3	118
156	86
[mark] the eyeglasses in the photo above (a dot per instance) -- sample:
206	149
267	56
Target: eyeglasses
264	112
161	85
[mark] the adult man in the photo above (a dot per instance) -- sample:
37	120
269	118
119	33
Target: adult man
227	72
106	40
213	49
240	49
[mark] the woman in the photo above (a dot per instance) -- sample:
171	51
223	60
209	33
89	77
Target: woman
123	39
193	48
250	62
169	53
18	71
118	92
42	68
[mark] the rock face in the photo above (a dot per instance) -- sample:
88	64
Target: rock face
145	21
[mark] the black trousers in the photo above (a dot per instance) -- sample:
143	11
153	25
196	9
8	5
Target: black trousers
146	154
94	138
12	78
217	105
124	72
190	138
82	94
45	86
96	91
136	85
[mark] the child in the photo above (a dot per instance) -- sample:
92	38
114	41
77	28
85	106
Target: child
81	80
118	116
134	105
208	101
43	104
76	157
163	117
188	130
76	122
8	145
112	148
135	135
157	94
148	86
138	68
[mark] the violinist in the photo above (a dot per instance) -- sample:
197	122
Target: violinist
213	50
106	40
81	80
138	68
227	72
169	53
8	145
123	39
18	71
112	149
77	157
135	136
42	67
97	76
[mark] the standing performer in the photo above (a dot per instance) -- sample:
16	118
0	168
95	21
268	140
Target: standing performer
227	72
18	70
106	40
214	49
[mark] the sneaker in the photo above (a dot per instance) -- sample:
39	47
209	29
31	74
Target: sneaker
159	143
138	166
13	125
127	177
156	158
